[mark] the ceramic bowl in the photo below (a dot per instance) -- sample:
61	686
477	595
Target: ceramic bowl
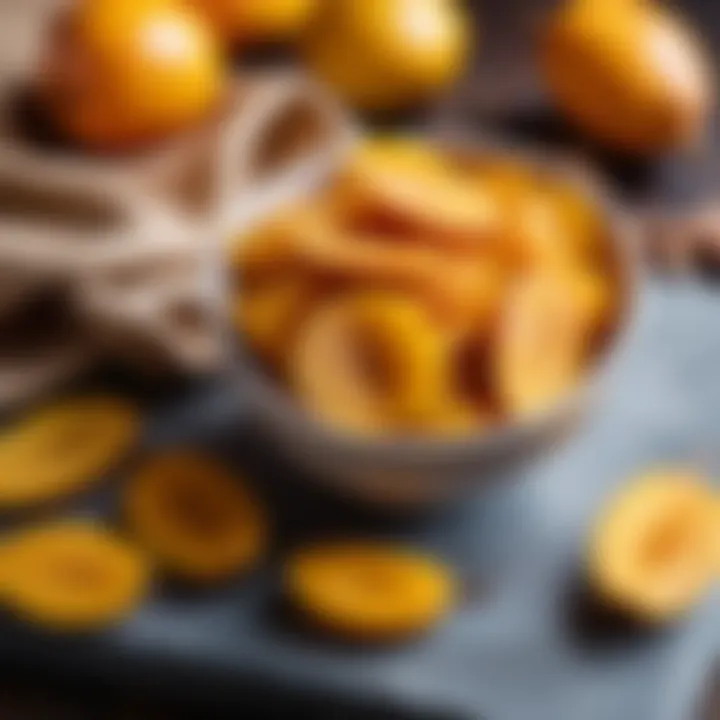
412	472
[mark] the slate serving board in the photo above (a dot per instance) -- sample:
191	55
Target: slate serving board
522	645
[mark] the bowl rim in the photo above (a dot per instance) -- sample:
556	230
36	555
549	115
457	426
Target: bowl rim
309	430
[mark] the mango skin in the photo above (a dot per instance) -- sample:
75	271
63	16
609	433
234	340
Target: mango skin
631	75
257	21
120	75
388	55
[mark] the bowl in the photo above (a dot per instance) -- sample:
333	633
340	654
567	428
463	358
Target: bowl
417	472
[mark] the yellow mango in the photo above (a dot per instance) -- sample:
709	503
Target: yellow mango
390	54
631	75
652	550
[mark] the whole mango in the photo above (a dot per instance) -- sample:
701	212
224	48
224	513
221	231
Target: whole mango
629	73
390	54
123	73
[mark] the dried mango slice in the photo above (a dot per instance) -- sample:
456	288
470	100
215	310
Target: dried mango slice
369	591
301	242
280	243
71	575
540	342
653	550
404	220
270	315
468	296
595	297
546	221
329	376
411	188
303	239
371	259
402	150
63	447
197	519
410	354
580	222
536	235
508	182
372	360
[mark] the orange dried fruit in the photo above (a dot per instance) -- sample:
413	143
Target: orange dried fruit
199	521
372	362
351	258
414	189
579	221
653	550
491	256
71	575
369	591
508	181
270	315
328	376
308	240
536	236
404	153
281	242
468	296
63	447
546	220
595	297
537	351
408	353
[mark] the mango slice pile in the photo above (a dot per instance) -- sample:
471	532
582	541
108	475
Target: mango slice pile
420	293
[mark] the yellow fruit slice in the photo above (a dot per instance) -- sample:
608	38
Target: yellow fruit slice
372	362
653	550
63	447
307	239
469	296
71	575
536	235
282	242
595	297
328	376
410	353
539	345
547	221
411	188
310	242
271	314
414	260
579	221
369	591
199	521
